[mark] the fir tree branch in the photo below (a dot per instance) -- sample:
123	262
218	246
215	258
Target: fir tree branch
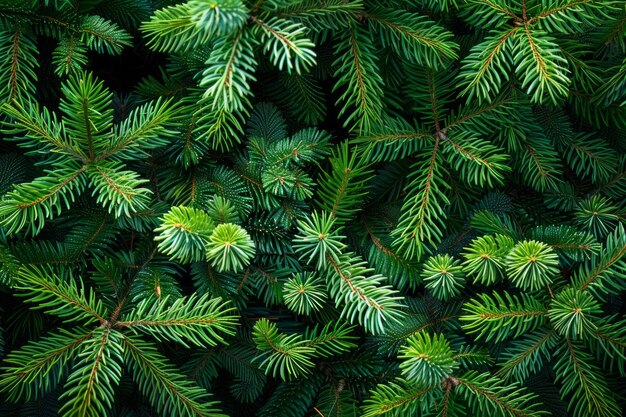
197	320
64	298
37	367
176	394
397	397
585	382
357	75
422	212
144	129
568	4
484	70
90	388
17	67
43	127
500	399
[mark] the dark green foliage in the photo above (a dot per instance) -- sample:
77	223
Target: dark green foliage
298	208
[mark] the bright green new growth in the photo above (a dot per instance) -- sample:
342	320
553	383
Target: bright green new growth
485	258
304	293
318	241
427	361
229	248
183	233
443	276
531	265
571	314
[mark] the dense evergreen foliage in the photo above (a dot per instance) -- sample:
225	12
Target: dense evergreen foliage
313	208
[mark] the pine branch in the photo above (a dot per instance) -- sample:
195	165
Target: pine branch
168	391
397	139
542	68
230	71
421	222
229	248
540	165
398	398
288	356
478	162
173	29
102	35
531	265
489	393
364	298
17	67
87	113
9	266
427	361
89	390
332	14
145	128
413	37
342	189
567	15
609	344
527	356
584	381
65	298
39	366
567	240
30	204
41	130
196	320
183	233
220	17
401	272
118	190
487	66
358	80
443	277
289	48
331	339
605	275
485	258
499	318
303	293
69	57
